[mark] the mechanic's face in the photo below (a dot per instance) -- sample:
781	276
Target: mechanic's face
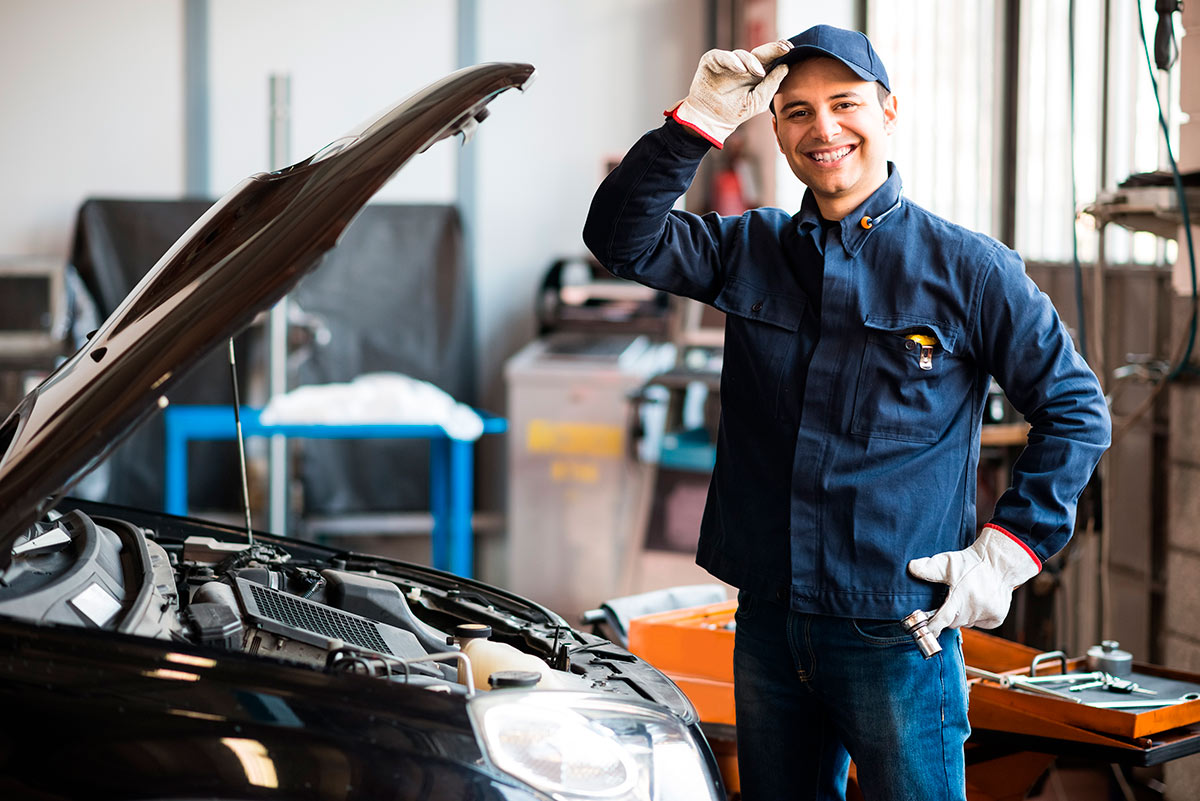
833	131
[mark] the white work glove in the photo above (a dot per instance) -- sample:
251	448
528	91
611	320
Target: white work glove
981	578
729	88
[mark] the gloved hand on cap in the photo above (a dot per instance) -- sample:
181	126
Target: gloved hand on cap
981	578
729	88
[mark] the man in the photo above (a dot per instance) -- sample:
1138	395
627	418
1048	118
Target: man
860	336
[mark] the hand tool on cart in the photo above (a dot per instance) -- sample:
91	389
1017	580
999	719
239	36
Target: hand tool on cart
1027	683
1094	677
1145	703
1113	683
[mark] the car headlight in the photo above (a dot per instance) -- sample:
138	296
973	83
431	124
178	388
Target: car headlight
575	746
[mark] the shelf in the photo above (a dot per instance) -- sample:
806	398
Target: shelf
1002	434
1144	208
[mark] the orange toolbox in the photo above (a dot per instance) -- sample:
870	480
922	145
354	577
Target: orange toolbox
694	647
1015	735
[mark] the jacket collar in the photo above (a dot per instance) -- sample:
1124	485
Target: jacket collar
858	224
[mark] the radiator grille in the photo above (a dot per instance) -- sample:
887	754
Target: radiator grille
318	619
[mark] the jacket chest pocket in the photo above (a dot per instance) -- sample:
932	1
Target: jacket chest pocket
910	383
761	338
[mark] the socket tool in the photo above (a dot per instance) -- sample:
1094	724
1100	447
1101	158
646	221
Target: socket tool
916	625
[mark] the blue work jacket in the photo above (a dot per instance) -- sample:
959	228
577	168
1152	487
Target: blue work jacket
856	367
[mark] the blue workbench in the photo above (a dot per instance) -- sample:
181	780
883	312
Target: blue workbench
451	465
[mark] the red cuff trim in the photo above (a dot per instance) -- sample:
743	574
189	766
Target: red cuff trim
1015	539
673	113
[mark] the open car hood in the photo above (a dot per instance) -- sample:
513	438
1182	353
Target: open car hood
247	251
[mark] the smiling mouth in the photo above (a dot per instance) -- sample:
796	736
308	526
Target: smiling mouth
831	156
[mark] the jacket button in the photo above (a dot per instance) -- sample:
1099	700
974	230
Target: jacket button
757	307
909	344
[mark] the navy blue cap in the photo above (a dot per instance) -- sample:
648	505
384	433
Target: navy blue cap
852	48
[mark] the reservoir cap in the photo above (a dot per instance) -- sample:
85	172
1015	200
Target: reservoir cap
470	631
509	679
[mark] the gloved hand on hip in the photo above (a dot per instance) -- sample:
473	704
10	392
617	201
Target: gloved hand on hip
729	88
981	578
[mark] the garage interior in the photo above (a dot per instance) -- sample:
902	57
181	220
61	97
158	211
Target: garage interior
1038	122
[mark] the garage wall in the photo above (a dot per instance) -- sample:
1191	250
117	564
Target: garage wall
93	97
93	104
606	71
346	61
98	110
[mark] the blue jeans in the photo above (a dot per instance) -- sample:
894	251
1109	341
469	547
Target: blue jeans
813	692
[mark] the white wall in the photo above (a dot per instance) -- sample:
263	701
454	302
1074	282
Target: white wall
346	61
606	72
93	96
92	100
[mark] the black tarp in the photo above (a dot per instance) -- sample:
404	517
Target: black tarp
393	295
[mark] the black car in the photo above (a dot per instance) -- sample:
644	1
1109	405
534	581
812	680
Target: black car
144	656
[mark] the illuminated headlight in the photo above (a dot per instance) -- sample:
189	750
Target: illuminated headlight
580	746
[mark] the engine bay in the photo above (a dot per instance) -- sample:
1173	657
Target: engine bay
302	603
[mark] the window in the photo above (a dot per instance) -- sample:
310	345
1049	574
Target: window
946	60
941	57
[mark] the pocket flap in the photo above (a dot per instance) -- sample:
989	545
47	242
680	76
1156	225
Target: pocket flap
753	303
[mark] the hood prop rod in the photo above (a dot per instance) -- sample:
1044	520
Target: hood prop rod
241	443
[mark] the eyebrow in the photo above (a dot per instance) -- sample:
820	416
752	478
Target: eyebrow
839	96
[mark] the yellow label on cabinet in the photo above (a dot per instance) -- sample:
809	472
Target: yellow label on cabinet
574	439
562	470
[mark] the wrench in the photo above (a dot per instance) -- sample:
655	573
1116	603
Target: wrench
1063	678
1145	704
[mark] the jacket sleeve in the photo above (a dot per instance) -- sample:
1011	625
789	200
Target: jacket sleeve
1028	350
633	231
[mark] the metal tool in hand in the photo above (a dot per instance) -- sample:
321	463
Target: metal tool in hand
916	626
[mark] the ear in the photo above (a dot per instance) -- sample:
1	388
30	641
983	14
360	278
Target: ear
889	115
775	128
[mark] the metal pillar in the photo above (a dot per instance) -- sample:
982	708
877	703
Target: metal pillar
277	350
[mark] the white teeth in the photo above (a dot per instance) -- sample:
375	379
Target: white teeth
831	155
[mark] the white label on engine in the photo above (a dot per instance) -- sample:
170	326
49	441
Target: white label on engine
96	604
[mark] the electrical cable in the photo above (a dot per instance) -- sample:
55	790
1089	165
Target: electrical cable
1104	545
1183	207
1079	309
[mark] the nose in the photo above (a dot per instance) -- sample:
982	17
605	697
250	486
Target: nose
825	125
